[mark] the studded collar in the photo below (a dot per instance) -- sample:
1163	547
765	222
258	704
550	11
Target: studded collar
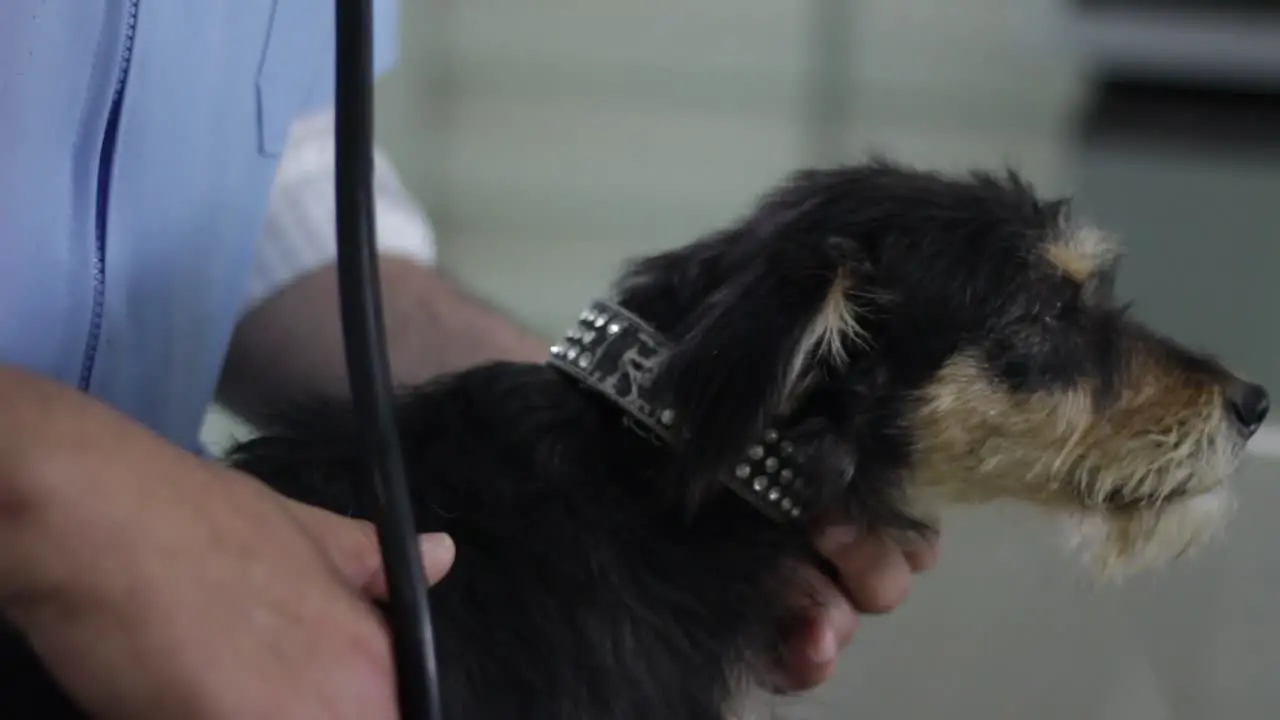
615	354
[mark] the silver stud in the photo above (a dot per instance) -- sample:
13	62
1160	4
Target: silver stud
786	504
760	483
755	452
571	353
795	511
614	328
786	448
743	471
771	436
588	336
600	321
787	476
557	350
667	417
586	316
771	464
584	360
573	333
774	493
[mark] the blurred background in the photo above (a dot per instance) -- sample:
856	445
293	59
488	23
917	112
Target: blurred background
550	140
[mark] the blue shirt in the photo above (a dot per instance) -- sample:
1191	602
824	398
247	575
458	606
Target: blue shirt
138	143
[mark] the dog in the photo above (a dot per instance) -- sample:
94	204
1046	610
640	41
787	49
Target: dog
869	345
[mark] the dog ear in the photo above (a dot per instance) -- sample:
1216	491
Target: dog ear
746	356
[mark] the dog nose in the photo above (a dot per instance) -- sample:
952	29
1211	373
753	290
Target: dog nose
1249	404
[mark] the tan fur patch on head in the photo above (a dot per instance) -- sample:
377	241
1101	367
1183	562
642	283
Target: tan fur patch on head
1080	253
975	442
1165	435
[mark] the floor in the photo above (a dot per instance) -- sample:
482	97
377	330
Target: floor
551	142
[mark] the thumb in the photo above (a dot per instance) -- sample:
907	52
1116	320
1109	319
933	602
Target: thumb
353	549
437	551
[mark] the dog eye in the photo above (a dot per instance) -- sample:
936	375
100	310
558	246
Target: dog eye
1062	310
1016	371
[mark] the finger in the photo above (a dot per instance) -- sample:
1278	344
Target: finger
875	570
438	552
922	556
827	624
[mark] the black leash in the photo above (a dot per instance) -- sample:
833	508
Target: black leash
386	491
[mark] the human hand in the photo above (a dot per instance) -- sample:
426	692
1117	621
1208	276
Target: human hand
155	585
877	576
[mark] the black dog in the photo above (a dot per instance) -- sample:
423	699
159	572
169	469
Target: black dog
868	344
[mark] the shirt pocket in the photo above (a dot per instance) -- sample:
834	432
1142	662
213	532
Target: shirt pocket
294	60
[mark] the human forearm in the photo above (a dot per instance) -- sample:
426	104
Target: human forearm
35	413
23	415
291	345
290	342
155	584
60	452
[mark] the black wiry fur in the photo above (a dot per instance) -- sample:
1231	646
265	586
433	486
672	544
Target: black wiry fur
601	576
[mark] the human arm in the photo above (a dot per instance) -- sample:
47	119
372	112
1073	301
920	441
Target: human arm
155	584
433	326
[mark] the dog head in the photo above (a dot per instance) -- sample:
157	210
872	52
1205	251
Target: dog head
925	339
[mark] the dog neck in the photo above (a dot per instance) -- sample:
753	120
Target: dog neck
613	353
